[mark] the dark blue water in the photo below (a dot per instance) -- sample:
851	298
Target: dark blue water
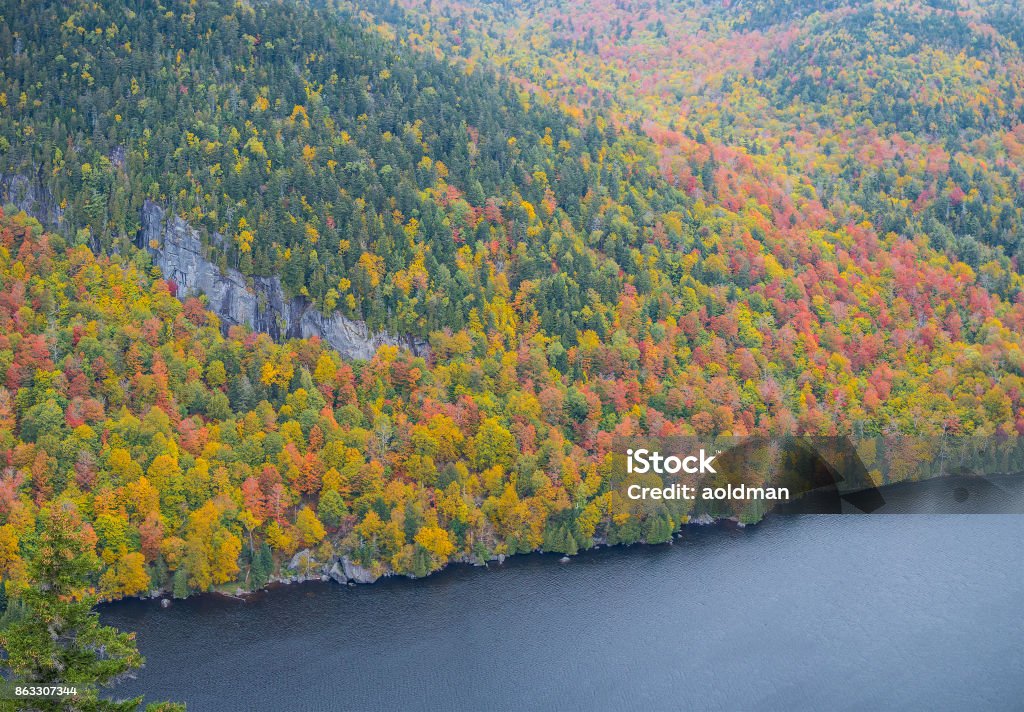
918	612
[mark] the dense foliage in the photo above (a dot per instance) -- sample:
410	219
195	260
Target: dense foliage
53	637
201	460
652	225
907	114
306	147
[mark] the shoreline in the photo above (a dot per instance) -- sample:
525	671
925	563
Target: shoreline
166	600
635	612
949	494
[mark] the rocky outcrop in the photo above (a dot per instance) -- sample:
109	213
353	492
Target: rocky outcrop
352	338
301	561
181	257
337	574
31	195
354	572
260	304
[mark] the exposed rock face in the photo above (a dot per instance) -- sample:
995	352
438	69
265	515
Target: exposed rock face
355	572
301	560
352	338
29	194
178	252
337	574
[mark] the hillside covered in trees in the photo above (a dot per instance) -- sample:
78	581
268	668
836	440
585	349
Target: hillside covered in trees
306	147
904	113
697	222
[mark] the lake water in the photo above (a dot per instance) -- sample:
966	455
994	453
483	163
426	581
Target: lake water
915	612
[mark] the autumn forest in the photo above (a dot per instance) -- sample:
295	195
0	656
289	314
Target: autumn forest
607	219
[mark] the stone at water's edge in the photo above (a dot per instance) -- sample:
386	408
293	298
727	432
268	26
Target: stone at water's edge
355	572
337	574
178	251
300	560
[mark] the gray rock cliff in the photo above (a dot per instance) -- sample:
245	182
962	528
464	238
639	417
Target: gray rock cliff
259	303
262	305
29	194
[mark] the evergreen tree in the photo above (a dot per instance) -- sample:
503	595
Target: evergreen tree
331	508
59	639
260	570
180	587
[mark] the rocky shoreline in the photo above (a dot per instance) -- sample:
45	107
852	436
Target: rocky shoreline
346	572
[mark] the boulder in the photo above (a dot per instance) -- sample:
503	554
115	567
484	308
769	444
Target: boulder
338	574
357	573
300	560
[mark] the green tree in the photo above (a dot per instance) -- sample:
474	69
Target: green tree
262	567
59	638
331	508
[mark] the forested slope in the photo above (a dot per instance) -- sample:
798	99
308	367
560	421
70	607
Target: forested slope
907	114
580	274
314	149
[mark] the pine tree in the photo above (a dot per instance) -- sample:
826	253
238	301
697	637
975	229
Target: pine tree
180	585
259	573
59	638
266	559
